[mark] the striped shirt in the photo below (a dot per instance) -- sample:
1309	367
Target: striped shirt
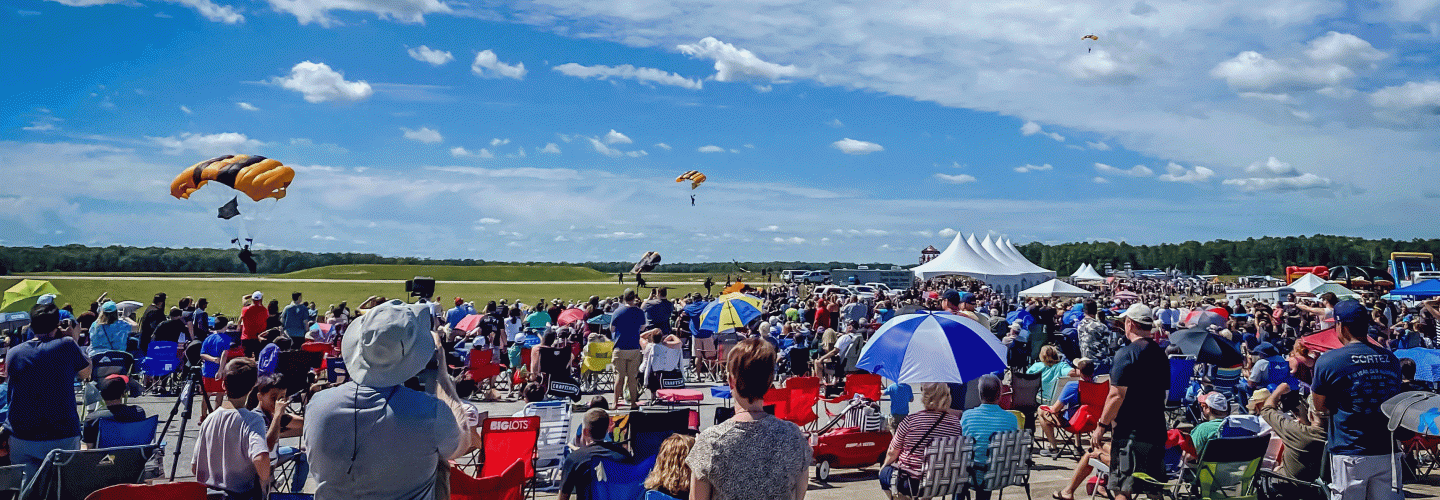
982	421
912	429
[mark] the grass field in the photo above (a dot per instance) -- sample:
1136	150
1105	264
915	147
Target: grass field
451	273
225	295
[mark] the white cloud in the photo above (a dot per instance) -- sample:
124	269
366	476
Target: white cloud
488	65
41	126
186	110
649	76
853	147
733	64
246	106
550	148
1275	175
1099	146
1100	180
426	135
1135	171
711	149
613	137
1419	96
663	146
1330	60
1034	168
636	154
1344	49
432	56
1032	128
213	11
601	148
860	232
619	235
946	233
1176	173
318	83
460	152
769	229
955	179
793	240
499	142
1102	67
207	144
835	123
318	11
488	221
519	153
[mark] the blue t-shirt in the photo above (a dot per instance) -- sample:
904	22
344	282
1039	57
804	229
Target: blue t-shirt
215	345
456	314
42	389
294	319
658	313
1070	397
900	398
1355	379
693	310
626	323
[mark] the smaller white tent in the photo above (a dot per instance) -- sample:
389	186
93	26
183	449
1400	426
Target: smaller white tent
1055	288
1087	273
1307	283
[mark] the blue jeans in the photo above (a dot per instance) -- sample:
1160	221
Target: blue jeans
285	454
32	453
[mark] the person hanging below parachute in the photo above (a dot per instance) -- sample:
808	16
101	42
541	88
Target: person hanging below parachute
647	263
257	177
1092	38
696	179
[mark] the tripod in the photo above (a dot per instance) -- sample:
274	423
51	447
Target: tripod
185	399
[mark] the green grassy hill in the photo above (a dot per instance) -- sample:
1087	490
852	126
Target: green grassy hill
450	273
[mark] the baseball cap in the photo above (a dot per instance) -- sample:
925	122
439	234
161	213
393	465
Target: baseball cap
48	298
967	297
1218	402
44	318
114	387
109	307
951	296
1140	313
1351	313
459	301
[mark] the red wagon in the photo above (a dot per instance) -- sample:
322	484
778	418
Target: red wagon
855	439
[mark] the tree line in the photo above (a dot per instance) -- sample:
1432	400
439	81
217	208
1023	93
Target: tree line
1268	255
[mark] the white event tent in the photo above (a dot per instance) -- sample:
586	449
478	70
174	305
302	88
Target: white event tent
1087	273
1055	288
995	261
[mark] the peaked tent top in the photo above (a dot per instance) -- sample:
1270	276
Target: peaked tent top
1055	288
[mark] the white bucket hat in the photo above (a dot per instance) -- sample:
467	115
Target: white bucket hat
389	344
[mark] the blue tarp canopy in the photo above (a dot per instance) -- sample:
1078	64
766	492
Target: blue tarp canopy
1423	289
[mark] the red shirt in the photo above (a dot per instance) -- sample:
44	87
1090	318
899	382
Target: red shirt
252	321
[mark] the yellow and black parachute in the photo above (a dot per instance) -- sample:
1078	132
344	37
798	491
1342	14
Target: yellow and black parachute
256	176
694	176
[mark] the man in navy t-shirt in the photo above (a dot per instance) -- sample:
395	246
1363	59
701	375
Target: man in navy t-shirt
626	324
41	388
1349	385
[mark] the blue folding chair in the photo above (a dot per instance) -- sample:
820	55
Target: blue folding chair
620	481
113	433
161	360
655	495
335	370
1182	369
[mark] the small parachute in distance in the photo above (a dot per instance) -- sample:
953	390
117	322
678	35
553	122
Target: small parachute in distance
694	176
1092	38
256	176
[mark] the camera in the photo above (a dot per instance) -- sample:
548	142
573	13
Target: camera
421	286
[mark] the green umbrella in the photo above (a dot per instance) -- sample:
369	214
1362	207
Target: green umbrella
22	296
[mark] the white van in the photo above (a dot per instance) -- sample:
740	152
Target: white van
817	277
791	275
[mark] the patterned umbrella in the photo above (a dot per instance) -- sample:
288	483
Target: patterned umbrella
932	347
730	311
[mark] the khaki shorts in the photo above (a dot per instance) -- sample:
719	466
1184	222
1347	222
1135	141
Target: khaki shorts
704	348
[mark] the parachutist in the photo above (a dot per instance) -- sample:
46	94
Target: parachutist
247	258
692	200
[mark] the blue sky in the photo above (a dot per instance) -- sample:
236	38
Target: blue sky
862	131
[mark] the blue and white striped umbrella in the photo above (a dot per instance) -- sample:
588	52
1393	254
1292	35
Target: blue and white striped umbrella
932	347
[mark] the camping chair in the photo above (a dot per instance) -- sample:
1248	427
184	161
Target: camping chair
509	485
185	490
620	481
1025	395
550	443
1009	463
507	440
1092	401
1279	486
649	429
804	393
947	467
335	371
779	398
596	373
113	434
161	360
1182	369
75	474
864	384
1226	469
482	367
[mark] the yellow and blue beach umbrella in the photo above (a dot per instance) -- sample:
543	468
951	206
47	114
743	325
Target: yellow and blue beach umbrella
730	311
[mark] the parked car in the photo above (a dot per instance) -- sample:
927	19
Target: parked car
862	291
823	290
792	275
818	277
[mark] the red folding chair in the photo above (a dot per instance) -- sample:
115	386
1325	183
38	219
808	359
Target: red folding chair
505	440
864	384
482	365
187	490
509	485
780	398
804	394
1087	415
